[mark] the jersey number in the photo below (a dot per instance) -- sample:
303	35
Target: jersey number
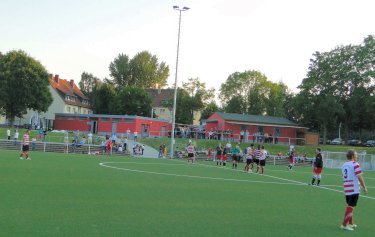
345	173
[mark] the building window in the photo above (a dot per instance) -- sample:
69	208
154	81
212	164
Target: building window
162	111
70	98
79	110
74	111
68	109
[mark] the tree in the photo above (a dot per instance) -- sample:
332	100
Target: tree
146	71
88	83
133	101
250	92
143	70
194	96
120	71
23	85
210	109
339	88
104	102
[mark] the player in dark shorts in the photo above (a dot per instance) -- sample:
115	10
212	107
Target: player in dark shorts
249	160
235	156
219	154
25	145
318	167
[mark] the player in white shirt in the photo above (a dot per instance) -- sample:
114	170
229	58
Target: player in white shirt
352	177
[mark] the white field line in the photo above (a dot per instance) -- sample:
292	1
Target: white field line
104	164
289	181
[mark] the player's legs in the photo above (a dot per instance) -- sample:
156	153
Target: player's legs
351	201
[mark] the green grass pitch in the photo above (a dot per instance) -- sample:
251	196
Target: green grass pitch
82	195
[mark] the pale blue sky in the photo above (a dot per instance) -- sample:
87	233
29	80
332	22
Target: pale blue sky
217	37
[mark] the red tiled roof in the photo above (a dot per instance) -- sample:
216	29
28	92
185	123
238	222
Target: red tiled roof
66	87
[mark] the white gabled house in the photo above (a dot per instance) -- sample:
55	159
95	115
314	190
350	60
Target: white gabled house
67	98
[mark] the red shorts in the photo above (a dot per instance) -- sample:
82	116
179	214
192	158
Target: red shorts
291	161
219	157
225	157
317	170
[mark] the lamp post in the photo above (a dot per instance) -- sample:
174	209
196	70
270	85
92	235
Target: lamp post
175	79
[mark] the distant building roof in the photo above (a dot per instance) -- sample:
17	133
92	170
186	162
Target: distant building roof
159	95
258	119
69	88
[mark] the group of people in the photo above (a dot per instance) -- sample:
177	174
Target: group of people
257	156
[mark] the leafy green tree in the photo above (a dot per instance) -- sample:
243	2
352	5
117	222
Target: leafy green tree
146	71
143	70
250	92
104	101
89	85
133	101
120	71
23	85
210	109
339	88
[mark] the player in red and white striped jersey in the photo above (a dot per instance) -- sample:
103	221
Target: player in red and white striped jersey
352	177
25	145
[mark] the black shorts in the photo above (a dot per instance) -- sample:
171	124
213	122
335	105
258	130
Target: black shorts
262	162
256	161
25	148
235	158
190	155
352	200
249	161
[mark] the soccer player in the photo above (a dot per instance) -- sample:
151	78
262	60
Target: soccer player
291	157
25	145
249	160
262	159
235	156
352	177
318	167
191	152
219	153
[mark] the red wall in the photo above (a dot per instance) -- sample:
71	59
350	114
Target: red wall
72	125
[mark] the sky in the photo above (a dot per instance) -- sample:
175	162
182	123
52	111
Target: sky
218	37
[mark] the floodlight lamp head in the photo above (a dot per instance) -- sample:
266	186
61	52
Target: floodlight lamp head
176	7
185	8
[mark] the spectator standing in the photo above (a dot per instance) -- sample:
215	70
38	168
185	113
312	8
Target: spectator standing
89	138
40	134
352	177
114	138
135	136
16	135
128	134
33	143
125	144
8	134
44	135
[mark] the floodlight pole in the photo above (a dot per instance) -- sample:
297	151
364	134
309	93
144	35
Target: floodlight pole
175	79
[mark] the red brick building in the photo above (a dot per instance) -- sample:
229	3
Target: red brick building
102	124
255	128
